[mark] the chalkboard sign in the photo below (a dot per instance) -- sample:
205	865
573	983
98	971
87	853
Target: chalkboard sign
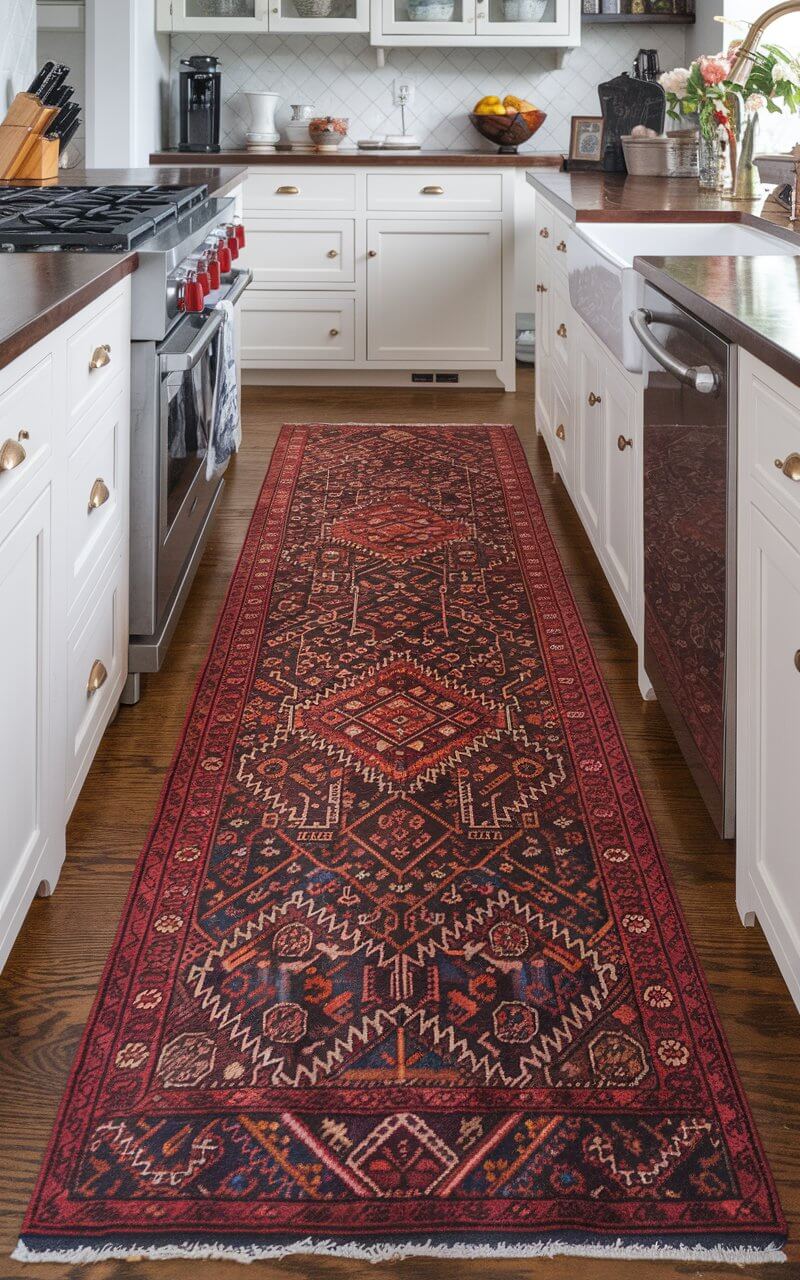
626	102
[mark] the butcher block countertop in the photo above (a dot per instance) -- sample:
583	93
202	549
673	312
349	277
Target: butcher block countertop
368	159
43	290
754	302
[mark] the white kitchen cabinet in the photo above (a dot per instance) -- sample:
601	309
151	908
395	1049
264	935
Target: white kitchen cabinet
256	17
544	345
475	23
590	435
622	415
419	262
434	291
63	583
31	848
768	663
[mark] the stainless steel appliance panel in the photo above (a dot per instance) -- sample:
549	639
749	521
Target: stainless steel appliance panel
690	541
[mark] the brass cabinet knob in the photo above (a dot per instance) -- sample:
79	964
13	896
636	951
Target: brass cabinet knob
432	191
560	432
98	495
287	191
541	288
797	659
561	247
790	466
562	330
97	678
12	454
334	333
544	233
101	356
372	253
333	253
593	399
624	443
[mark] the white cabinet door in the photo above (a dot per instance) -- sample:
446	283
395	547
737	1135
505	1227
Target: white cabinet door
589	444
507	20
306	16
434	291
300	251
620	405
25	699
198	15
767	840
544	343
405	18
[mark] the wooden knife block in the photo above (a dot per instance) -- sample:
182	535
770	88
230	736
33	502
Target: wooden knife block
25	154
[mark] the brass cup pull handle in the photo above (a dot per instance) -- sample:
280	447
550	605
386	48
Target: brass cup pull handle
561	247
544	233
790	466
593	399
101	356
624	443
98	495
333	253
334	333
560	432
541	288
287	191
12	452
372	253
432	191
97	678
562	330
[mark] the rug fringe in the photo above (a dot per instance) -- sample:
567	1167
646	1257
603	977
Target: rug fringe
739	1255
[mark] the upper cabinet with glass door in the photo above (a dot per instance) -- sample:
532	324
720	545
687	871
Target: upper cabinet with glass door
543	23
259	16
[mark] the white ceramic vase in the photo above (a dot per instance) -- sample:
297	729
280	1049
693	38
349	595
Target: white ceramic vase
262	114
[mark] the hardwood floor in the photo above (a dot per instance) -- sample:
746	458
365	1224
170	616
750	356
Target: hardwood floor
50	979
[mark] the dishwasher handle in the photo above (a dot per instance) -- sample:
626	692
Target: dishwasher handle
701	377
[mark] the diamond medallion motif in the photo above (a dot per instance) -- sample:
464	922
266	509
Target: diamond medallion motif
399	529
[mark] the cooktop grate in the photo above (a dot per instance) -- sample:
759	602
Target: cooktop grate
91	218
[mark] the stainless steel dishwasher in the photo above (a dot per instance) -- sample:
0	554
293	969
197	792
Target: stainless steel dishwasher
690	540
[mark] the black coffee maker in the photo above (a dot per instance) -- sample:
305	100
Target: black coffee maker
200	99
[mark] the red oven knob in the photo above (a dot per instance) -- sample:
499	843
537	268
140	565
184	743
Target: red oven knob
233	243
224	256
241	239
193	297
204	277
214	273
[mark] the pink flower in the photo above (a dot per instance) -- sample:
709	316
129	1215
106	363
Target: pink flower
714	70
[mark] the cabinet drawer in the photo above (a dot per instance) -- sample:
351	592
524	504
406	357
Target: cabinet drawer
96	668
27	411
96	476
302	189
96	354
545	225
772	435
450	192
283	327
298	251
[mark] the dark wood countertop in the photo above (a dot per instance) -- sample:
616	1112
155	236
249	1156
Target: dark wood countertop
367	159
754	302
219	178
42	290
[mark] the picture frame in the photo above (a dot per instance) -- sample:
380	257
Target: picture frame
586	142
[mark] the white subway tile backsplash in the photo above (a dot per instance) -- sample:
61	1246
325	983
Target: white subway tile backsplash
338	75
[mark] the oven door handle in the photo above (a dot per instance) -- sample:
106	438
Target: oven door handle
701	377
181	361
242	277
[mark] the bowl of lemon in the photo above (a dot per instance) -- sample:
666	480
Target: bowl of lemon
508	122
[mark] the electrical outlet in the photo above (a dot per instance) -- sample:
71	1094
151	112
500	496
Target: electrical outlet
403	91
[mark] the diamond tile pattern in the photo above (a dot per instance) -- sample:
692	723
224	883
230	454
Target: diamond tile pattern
338	75
17	47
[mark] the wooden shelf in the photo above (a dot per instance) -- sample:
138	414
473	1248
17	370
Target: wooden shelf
682	19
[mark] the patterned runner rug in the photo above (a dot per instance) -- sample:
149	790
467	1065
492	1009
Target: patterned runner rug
401	970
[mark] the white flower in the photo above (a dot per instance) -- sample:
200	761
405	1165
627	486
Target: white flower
755	102
675	81
781	71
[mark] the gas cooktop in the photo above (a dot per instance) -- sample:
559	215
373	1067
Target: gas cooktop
93	219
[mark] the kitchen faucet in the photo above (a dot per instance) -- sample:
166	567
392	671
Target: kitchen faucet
744	171
744	55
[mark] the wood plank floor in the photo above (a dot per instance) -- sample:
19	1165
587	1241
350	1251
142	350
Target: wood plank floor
47	986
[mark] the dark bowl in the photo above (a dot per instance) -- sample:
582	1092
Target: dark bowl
509	132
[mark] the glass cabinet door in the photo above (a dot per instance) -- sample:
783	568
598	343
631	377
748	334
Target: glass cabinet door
545	20
319	15
216	15
425	18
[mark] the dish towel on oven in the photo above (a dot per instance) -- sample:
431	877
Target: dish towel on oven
226	429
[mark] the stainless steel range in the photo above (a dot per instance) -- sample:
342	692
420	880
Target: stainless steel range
187	244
